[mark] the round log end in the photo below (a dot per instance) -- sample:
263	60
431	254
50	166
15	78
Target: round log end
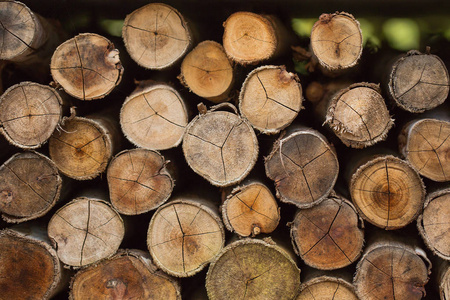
326	287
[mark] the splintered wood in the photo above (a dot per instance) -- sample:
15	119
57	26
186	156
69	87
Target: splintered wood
156	36
326	287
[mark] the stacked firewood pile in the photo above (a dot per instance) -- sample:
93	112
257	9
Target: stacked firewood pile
173	164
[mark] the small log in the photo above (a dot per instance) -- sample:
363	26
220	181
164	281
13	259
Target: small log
387	192
425	144
304	167
329	235
138	181
250	209
154	117
220	146
327	287
129	274
184	236
87	66
444	280
392	270
418	82
85	230
207	72
29	114
252	269
156	36
336	41
433	224
358	115
83	147
30	185
270	98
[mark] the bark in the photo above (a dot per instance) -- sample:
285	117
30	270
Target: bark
327	287
444	280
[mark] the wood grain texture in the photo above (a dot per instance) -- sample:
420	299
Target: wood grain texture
327	287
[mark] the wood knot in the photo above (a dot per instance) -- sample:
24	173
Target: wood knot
6	196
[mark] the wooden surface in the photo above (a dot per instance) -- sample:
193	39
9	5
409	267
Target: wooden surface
326	287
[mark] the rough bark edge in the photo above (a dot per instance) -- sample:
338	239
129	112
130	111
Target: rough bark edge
360	169
28	83
268	243
277	147
214	215
326	278
244	87
140	255
57	264
421	229
327	67
183	23
392	75
254	138
444	282
166	173
117	63
145	90
338	127
333	196
13	219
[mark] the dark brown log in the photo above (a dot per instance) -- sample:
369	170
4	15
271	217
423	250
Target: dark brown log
327	287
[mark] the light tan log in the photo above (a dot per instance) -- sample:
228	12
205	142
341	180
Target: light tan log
303	166
184	235
251	38
87	66
85	230
129	274
250	209
336	41
207	72
82	148
138	181
358	115
392	270
270	98
329	235
29	114
418	81
252	269
327	287
156	36
154	117
434	224
30	186
444	280
29	267
425	144
220	146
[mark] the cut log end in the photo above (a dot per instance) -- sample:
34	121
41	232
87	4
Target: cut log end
156	36
87	66
444	286
325	287
388	192
270	98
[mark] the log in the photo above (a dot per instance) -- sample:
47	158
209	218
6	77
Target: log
328	236
387	192
184	235
327	287
425	144
156	36
418	81
433	223
29	114
87	66
250	209
138	181
83	147
358	115
85	230
444	280
207	72
154	117
129	274
252	269
392	270
336	41
270	98
304	167
30	186
220	146
29	266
